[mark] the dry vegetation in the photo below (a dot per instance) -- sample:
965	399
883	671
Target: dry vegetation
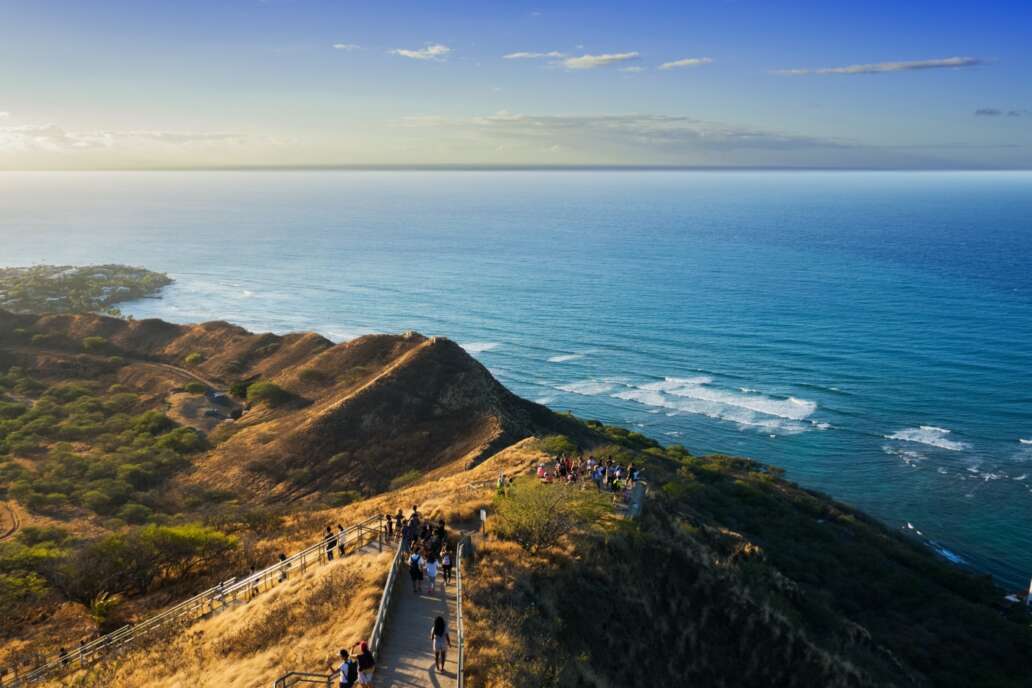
297	626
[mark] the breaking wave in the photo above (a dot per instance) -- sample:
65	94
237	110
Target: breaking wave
478	347
930	435
563	358
697	395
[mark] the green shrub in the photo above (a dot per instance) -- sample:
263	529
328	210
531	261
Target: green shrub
11	410
405	479
182	441
556	445
153	423
40	339
134	513
194	358
93	344
267	392
537	515
195	387
313	377
19	592
239	389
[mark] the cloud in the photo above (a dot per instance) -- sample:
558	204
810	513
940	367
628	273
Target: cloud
347	47
888	67
632	70
687	62
55	139
593	61
532	56
432	51
670	135
4	115
996	112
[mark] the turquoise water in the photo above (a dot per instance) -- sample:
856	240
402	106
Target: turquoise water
869	332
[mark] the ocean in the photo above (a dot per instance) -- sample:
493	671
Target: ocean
869	332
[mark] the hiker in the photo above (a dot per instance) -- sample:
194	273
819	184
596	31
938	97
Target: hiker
63	656
366	664
283	567
389	534
406	536
341	538
348	670
442	641
416	571
439	530
446	566
399	521
253	586
331	542
431	571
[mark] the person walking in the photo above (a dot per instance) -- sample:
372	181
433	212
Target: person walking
283	567
389	526
416	571
331	542
446	566
366	664
431	572
441	640
348	670
341	539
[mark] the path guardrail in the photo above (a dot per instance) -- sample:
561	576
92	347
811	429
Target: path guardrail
375	637
199	605
296	677
460	630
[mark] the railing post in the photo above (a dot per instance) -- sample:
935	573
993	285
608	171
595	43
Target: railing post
379	533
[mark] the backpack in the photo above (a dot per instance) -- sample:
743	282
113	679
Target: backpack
414	565
348	672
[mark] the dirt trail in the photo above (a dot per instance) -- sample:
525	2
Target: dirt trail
10	524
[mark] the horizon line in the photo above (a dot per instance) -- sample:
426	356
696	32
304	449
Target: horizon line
487	167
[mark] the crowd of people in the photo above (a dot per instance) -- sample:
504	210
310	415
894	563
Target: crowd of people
426	547
604	472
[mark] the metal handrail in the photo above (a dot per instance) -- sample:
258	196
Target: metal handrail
460	630
385	602
375	636
203	602
296	677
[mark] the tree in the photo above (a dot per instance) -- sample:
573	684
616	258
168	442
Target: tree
537	515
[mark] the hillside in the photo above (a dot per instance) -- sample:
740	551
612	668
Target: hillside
148	460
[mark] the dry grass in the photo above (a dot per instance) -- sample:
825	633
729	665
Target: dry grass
297	626
441	494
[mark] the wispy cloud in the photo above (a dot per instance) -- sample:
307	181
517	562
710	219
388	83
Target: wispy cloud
686	63
4	115
431	51
996	112
667	133
633	69
56	139
347	47
593	61
532	56
888	67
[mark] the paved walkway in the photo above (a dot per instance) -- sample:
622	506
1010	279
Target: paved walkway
407	656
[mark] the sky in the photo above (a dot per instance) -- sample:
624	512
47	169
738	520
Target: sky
143	84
